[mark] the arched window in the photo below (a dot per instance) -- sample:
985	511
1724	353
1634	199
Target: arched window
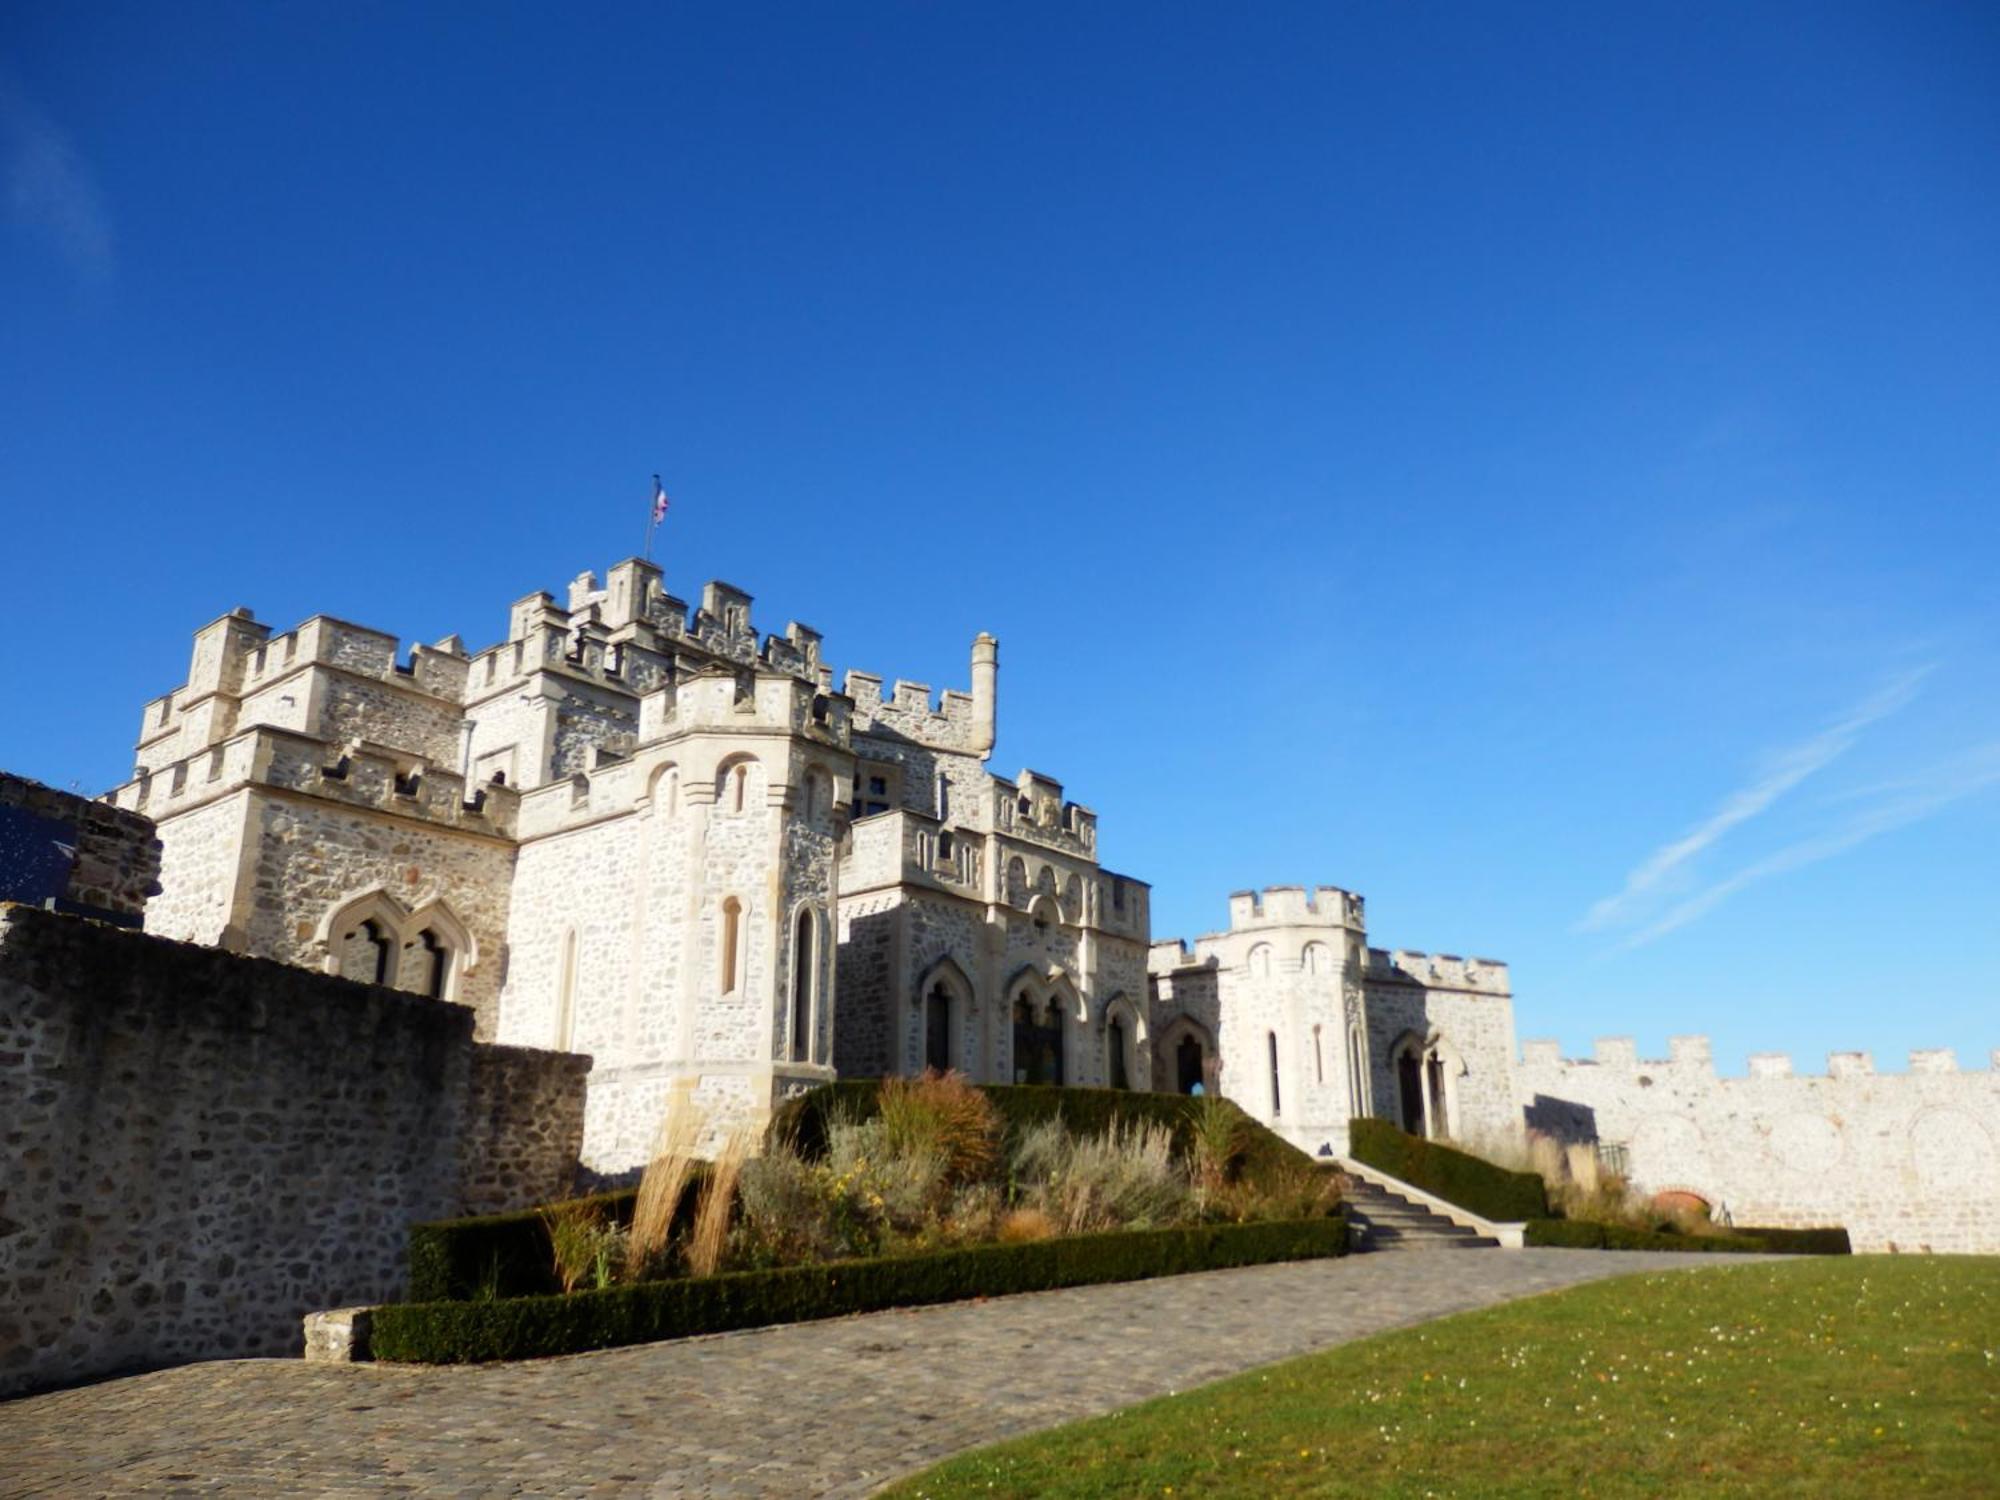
1277	1105
1410	1090
1114	1041
1435	1095
433	966
566	993
1017	881
1038	1039
1052	1042
1358	1102
732	935
937	1028
365	952
1316	959
1260	961
804	973
739	780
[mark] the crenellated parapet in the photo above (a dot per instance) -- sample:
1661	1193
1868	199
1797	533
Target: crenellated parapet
1694	1055
358	775
1439	971
1296	906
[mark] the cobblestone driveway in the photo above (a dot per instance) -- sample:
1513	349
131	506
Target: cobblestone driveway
833	1408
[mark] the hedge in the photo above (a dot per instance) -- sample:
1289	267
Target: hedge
494	1255
1455	1176
508	1255
1583	1234
527	1327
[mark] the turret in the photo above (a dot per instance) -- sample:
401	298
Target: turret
985	692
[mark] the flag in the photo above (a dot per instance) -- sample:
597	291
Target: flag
659	501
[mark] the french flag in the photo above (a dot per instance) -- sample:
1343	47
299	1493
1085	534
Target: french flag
659	501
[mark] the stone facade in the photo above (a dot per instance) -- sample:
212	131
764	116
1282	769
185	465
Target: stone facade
1291	1014
1904	1161
202	1148
639	829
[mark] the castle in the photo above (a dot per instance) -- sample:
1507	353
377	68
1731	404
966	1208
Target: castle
638	831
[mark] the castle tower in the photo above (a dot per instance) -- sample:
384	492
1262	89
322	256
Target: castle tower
1271	1013
673	910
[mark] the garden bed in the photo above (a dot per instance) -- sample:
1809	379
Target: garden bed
527	1327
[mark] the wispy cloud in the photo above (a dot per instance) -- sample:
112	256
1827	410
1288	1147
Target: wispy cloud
1660	871
1907	801
50	190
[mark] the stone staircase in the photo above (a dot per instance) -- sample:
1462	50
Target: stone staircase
1392	1222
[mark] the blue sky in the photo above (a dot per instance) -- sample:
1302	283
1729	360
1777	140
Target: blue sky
1537	466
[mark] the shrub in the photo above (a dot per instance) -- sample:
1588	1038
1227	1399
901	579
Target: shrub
1126	1177
1215	1142
1021	1225
462	1332
944	1116
805	1119
1455	1176
583	1245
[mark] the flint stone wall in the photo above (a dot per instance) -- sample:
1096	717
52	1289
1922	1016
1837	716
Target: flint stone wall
199	1148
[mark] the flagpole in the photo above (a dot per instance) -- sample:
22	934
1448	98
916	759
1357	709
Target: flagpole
652	517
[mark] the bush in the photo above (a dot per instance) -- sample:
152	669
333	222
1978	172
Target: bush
460	1332
1585	1234
1455	1176
1084	1112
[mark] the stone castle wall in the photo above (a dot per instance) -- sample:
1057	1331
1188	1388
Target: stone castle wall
1905	1161
202	1148
63	850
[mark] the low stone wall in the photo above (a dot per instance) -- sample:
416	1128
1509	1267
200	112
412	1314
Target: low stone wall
201	1148
1903	1161
59	849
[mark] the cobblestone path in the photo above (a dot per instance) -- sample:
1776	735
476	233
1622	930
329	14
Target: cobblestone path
834	1408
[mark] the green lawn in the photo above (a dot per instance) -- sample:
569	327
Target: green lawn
1861	1376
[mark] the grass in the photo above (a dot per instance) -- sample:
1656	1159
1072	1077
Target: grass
1854	1377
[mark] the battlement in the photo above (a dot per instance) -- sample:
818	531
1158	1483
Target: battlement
1439	971
748	699
1296	906
1032	808
1695	1054
904	847
956	721
358	775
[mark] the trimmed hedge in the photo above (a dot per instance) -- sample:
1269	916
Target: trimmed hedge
528	1327
1582	1234
1455	1176
1831	1241
494	1255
